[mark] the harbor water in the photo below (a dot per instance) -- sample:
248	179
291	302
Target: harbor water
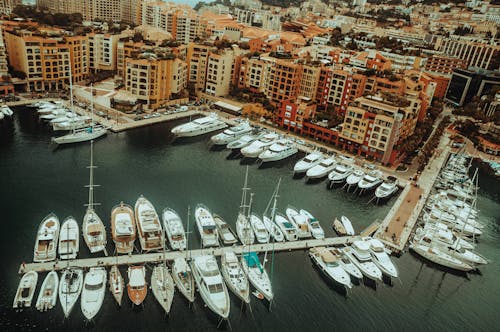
36	179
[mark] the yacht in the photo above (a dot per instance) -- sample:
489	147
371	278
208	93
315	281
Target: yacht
2	115
309	161
386	190
183	277
300	221
288	229
94	287
243	141
199	126
346	263
116	284
47	297
279	150
329	264
69	239
257	275
123	229
359	254
464	228
381	258
46	239
231	134
78	122
314	226
53	114
322	169
137	287
235	277
149	227
339	174
439	257
370	181
163	286
82	135
6	110
226	234
26	290
70	287
347	225
354	178
259	229
175	229
254	149
243	227
211	287
273	229
441	233
206	226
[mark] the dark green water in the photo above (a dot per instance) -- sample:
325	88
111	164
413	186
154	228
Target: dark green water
36	180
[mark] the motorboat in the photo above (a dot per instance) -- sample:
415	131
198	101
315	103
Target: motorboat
123	229
329	264
257	275
370	181
69	239
259	229
149	227
339	174
381	258
359	254
465	228
314	226
254	149
6	110
81	135
55	113
70	287
386	189
174	228
206	226
439	257
163	286
226	234
234	276
346	263
322	169
199	126
211	287
243	227
116	284
46	239
300	221
339	227
347	225
441	233
47	297
288	229
354	178
309	161
94	287
279	150
2	115
243	141
273	229
183	277
231	134
137	287
78	122
25	290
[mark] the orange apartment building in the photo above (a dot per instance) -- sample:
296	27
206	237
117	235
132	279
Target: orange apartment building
444	64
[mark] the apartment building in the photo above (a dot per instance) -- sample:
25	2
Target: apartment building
309	81
79	57
444	64
105	10
293	113
197	59
103	51
3	56
283	79
477	53
220	67
6	6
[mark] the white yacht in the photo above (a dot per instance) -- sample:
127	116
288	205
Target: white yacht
322	169
359	254
174	229
54	113
386	189
441	233
309	161
288	229
329	264
254	149
347	225
439	257
226	234
273	229
199	126
26	290
259	229
210	285
6	110
183	277
314	226
163	286
206	226
370	181
46	239
235	277
243	141
257	275
123	230
78	122
69	239
82	135
280	150
300	221
94	287
339	174
47	297
381	258
354	178
149	227
70	287
231	134
346	263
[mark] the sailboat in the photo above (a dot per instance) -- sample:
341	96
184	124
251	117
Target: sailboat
116	284
93	231
257	275
69	239
182	274
243	227
163	287
70	287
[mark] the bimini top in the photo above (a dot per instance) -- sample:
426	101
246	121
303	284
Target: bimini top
252	260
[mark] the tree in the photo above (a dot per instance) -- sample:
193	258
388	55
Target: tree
137	37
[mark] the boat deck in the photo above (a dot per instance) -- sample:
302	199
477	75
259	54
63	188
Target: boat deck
171	255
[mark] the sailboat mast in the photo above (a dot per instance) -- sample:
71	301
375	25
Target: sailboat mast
188	232
91	180
466	220
243	205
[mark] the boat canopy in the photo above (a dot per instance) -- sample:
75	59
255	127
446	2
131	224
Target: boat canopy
288	224
136	277
94	279
252	260
327	256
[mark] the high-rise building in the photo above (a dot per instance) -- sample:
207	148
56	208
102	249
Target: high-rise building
477	53
465	84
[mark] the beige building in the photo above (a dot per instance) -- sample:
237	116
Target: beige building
106	10
220	67
3	57
478	54
197	59
102	50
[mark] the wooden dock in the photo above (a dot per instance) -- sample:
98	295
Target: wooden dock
372	228
157	257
